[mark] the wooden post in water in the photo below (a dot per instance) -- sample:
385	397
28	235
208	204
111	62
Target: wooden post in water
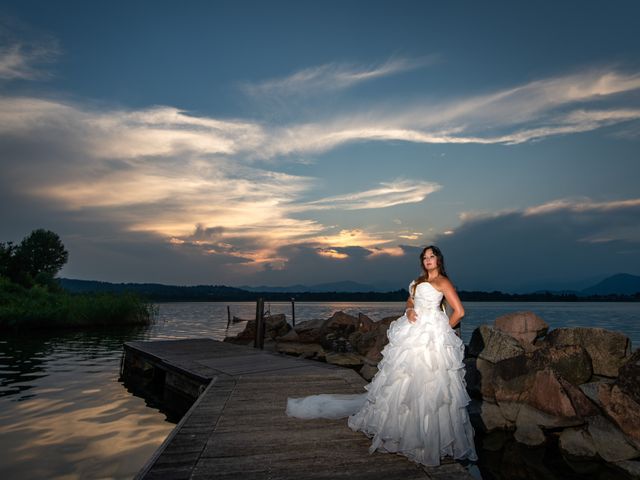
228	316
258	341
293	311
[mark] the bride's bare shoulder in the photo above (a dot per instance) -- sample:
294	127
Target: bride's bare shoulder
442	283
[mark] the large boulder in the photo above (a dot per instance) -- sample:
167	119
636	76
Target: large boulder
571	362
529	434
577	442
623	410
335	332
492	418
543	398
609	441
365	324
479	378
608	350
629	377
372	343
493	345
525	327
548	394
276	325
310	331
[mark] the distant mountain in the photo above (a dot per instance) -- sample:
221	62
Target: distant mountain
345	286
620	284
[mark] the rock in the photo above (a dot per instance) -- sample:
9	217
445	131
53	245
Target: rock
365	324
344	359
479	378
582	405
310	331
548	395
276	325
577	442
245	336
623	410
341	322
509	410
527	414
290	336
493	345
571	362
523	326
335	332
363	342
629	377
610	442
304	350
529	434
368	371
630	467
592	389
542	398
492	417
371	343
608	350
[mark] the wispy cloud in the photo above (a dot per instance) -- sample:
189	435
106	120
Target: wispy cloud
333	76
24	61
388	194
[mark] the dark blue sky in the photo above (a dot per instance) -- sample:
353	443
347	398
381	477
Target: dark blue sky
307	142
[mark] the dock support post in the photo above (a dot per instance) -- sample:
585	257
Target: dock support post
228	316
293	311
260	327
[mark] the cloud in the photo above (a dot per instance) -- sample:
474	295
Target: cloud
536	247
388	194
24	52
333	76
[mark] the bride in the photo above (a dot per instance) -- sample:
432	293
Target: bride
416	404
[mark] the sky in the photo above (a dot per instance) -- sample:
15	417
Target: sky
298	142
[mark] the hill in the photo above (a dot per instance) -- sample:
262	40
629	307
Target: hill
620	284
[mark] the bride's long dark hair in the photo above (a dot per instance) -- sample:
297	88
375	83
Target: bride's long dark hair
424	277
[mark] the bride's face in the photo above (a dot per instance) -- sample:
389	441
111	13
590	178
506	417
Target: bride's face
429	261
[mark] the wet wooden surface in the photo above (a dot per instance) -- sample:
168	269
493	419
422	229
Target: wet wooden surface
238	429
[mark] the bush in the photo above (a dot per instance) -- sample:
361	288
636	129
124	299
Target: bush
38	307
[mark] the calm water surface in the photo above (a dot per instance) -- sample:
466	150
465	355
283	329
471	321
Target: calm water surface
65	415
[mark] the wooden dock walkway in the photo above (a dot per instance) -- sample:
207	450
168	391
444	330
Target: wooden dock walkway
237	428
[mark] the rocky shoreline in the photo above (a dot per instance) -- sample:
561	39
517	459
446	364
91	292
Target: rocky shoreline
577	386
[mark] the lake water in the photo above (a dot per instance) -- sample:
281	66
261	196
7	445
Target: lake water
65	415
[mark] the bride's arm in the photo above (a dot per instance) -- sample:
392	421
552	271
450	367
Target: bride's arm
410	312
450	294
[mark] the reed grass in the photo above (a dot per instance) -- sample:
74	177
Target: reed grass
39	307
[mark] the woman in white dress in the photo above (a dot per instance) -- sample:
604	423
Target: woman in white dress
416	404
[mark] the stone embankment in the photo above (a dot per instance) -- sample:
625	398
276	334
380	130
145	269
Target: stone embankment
581	385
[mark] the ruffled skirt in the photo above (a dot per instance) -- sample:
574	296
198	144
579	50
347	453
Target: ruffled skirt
416	403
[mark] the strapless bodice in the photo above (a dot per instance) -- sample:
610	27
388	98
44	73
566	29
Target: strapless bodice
426	297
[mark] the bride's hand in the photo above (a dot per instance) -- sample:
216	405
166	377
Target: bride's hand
411	315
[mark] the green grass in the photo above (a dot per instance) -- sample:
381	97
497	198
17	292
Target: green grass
38	307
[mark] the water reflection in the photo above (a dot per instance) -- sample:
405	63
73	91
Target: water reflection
64	415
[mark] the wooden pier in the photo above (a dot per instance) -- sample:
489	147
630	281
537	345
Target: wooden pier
237	427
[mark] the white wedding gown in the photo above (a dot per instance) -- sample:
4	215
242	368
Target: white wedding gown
416	404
